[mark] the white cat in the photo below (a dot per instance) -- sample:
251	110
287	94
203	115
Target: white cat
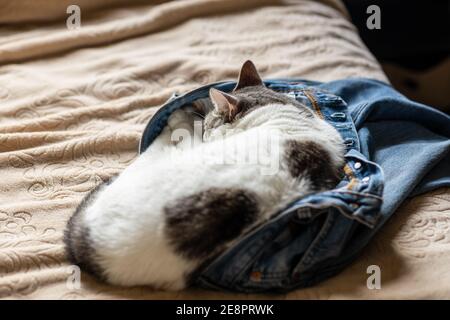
181	203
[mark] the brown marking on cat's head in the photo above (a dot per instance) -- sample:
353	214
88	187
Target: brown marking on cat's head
200	224
310	159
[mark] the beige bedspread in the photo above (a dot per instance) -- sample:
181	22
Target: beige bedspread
73	104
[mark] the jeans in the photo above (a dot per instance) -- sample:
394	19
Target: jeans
396	148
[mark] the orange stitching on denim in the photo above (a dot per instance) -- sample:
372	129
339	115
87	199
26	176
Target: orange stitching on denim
256	276
351	183
348	171
351	176
314	103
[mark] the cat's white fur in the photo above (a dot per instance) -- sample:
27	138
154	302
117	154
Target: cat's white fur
126	219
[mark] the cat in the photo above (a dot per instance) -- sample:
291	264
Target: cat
181	203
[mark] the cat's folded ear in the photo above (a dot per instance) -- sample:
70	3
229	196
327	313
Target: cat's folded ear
225	104
248	76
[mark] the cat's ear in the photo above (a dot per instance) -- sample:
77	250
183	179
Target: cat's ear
226	104
248	76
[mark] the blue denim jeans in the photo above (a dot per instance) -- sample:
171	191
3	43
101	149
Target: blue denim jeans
395	148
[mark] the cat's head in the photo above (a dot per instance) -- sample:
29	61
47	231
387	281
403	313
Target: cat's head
249	94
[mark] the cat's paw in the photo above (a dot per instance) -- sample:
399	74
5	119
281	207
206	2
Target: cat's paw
183	130
184	125
181	119
162	142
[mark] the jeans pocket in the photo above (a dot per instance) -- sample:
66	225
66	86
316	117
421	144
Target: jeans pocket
273	270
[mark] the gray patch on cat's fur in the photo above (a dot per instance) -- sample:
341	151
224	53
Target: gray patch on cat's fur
200	224
252	98
257	96
308	158
79	246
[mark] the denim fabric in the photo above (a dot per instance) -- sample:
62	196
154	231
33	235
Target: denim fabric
395	148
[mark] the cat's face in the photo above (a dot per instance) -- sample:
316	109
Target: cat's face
249	94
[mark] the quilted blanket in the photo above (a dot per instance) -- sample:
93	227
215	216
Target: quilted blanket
74	103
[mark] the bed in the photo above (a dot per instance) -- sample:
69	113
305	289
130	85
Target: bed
74	103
